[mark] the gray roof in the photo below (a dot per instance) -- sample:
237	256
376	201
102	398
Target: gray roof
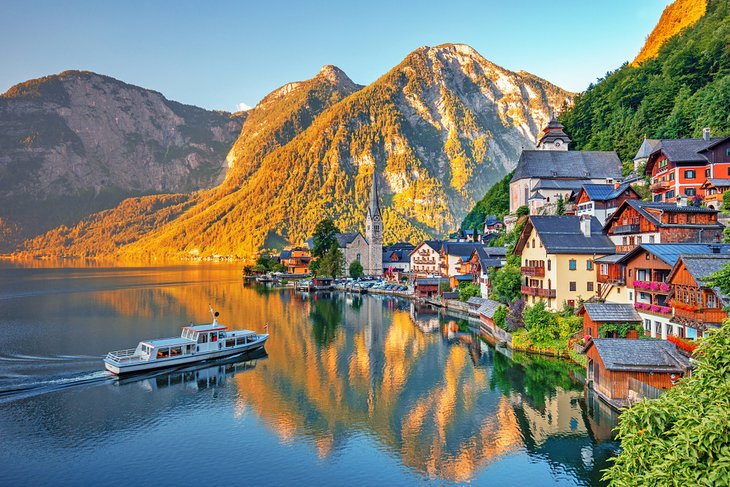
701	266
609	259
612	312
670	252
345	238
285	254
430	281
567	164
646	148
488	308
400	254
464	277
561	235
461	249
685	150
643	206
475	301
718	182
555	184
640	355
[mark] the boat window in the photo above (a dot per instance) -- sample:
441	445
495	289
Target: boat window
240	341
163	353
175	351
203	338
214	337
230	343
189	348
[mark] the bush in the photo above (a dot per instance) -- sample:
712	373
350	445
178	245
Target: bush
540	323
356	269
568	326
683	437
514	321
469	290
499	317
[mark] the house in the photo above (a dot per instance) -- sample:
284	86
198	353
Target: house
637	222
425	258
452	254
557	255
396	258
492	225
296	260
596	315
618	366
481	260
713	189
486	316
681	166
611	279
697	305
427	287
552	170
601	200
457	279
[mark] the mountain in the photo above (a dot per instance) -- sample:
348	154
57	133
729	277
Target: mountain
74	143
438	129
495	202
675	18
685	88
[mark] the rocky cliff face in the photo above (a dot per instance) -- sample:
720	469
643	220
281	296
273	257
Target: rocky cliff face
438	129
87	141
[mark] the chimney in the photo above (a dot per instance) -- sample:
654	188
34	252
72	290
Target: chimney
585	225
706	134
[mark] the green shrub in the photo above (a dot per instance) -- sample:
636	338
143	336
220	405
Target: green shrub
540	323
499	316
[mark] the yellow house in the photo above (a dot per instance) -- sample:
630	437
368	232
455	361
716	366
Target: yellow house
557	255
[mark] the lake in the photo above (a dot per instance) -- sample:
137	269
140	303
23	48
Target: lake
356	390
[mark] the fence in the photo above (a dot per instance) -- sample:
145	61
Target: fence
644	390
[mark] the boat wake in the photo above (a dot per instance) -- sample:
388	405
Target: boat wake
21	387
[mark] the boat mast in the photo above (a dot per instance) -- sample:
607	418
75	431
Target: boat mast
214	313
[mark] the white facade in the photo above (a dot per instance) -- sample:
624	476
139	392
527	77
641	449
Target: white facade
425	260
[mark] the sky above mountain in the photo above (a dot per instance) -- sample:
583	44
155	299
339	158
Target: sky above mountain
227	55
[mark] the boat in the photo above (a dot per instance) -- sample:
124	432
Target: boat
195	344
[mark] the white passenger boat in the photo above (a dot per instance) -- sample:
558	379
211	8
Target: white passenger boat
196	343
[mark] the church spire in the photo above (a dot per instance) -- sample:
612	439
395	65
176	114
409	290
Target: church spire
374	208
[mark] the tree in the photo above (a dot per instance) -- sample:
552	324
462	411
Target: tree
324	237
506	283
513	321
469	290
314	267
356	269
475	235
540	323
683	437
560	208
522	211
332	262
500	314
495	202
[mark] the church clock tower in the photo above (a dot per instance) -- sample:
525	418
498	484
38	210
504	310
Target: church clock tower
374	233
553	137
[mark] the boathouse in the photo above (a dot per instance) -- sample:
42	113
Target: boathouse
622	318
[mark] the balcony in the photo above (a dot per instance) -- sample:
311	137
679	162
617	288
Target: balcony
660	186
423	261
700	315
533	271
631	228
622	249
538	291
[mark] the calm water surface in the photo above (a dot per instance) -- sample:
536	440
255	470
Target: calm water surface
351	390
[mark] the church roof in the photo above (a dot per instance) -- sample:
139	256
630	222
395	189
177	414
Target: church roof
374	207
344	239
553	131
574	165
647	147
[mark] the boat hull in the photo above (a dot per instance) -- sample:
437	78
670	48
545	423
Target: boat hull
123	369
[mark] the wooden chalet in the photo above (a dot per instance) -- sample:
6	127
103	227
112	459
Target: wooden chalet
600	200
296	260
621	369
427	287
697	305
596	315
637	222
713	189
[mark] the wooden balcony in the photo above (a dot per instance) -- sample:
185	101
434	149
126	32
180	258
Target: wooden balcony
424	261
533	271
622	229
660	186
538	291
706	315
622	249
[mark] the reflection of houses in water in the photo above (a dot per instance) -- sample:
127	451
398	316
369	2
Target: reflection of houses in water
425	317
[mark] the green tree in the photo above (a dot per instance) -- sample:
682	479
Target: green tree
332	262
540	323
469	290
356	269
506	283
522	211
314	267
683	437
560	208
324	237
499	316
495	202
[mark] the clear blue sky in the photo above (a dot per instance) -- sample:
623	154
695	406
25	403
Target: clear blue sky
219	54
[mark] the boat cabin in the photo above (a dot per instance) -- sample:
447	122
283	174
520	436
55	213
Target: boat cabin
194	338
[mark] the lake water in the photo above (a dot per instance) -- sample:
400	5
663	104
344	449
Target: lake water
352	390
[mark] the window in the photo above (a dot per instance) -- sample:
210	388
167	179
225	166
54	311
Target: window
672	218
589	265
670	194
163	353
690	174
230	343
727	153
711	301
671	176
707	173
631	296
589	287
690	191
646	255
214	337
548	263
629	272
203	338
572	265
651	238
175	351
604	269
572	286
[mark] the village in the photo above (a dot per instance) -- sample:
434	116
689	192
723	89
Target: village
581	267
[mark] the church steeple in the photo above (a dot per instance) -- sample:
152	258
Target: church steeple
553	136
374	208
374	232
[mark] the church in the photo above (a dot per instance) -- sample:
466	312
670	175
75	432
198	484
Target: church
368	250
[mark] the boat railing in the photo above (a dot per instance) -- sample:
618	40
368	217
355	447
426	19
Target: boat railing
123	355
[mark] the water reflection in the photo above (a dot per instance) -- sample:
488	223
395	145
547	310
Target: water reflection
415	380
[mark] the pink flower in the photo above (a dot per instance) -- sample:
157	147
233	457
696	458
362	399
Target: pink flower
637	305
635	283
645	305
664	286
654	286
666	309
654	307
